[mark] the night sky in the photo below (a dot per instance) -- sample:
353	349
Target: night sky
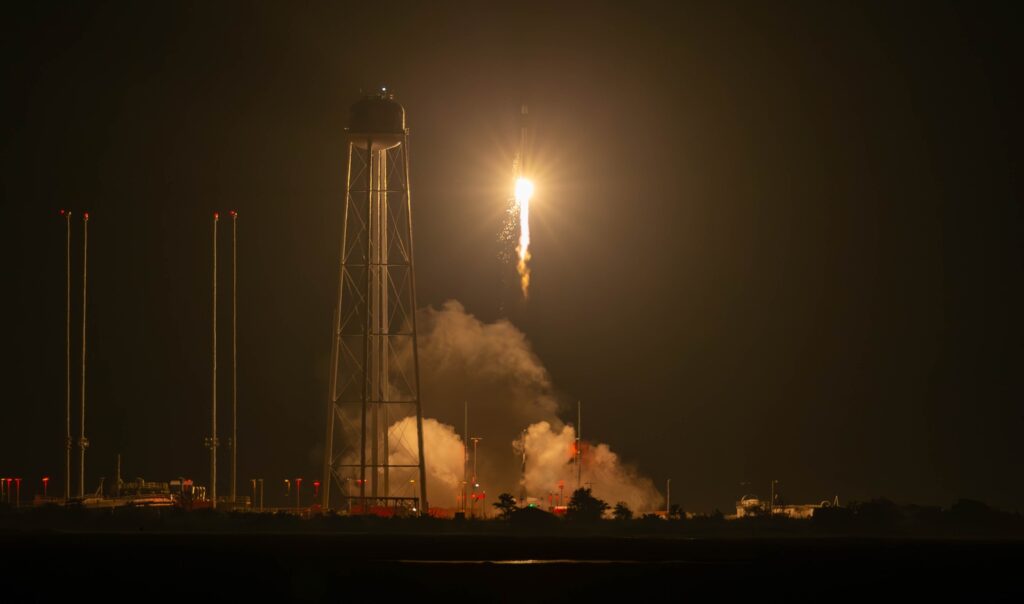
776	240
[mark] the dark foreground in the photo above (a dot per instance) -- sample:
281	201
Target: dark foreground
311	567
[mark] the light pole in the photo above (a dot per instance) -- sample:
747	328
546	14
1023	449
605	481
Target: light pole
46	481
234	351
668	499
476	484
298	495
83	442
212	440
771	502
67	362
17	486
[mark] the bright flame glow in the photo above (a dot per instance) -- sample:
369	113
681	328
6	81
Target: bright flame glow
524	191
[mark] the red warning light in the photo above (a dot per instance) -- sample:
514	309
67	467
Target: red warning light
234	214
86	215
62	211
216	215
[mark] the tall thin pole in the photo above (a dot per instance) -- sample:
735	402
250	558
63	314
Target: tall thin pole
213	415
83	443
476	441
234	351
522	471
67	362
668	498
579	451
465	453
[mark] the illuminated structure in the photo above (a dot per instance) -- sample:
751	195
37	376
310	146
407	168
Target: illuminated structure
373	453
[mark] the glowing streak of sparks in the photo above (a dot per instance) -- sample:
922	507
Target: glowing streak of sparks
524	190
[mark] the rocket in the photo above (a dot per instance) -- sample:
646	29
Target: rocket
523	192
519	166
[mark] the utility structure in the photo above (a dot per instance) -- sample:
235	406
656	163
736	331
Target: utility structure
522	470
465	455
68	441
234	354
83	442
578	453
212	441
373	453
476	477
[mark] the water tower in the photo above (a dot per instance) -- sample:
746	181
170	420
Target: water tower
373	454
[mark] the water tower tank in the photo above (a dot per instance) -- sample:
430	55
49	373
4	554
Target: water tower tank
377	120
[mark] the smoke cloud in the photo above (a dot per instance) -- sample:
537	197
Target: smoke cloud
443	460
492	367
550	461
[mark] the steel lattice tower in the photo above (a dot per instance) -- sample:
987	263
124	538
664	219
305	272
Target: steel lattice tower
373	454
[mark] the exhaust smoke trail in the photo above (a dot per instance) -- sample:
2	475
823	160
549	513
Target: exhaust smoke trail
494	367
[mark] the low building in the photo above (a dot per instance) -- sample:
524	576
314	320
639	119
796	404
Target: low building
749	505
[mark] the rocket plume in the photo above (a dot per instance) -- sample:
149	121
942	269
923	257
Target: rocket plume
551	461
443	459
493	366
524	190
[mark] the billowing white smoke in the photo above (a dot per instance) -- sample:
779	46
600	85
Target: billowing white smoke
443	460
493	368
550	461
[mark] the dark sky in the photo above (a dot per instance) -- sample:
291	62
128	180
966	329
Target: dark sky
770	241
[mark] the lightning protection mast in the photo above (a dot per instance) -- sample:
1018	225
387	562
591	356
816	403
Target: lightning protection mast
373	453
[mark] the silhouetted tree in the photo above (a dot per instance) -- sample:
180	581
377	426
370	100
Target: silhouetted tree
506	504
585	507
622	511
533	517
977	515
675	512
878	514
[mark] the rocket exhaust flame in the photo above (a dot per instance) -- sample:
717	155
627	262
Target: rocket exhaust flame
524	191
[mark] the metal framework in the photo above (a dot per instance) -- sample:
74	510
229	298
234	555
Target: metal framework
373	451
